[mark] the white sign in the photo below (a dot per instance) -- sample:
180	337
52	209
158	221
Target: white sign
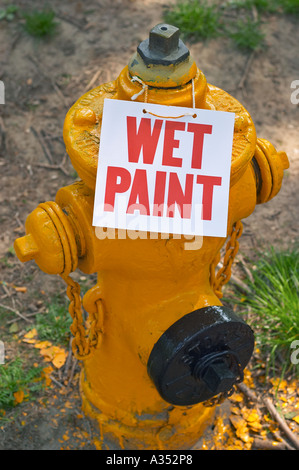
163	169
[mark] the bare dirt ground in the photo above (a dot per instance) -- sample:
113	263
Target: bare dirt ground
43	78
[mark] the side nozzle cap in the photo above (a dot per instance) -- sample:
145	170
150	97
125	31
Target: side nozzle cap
26	248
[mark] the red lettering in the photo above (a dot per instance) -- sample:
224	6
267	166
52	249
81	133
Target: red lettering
139	192
159	193
170	143
177	196
208	183
199	130
113	186
143	139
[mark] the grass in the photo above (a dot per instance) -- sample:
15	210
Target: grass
200	20
247	35
290	6
54	324
274	306
196	20
40	23
18	382
8	13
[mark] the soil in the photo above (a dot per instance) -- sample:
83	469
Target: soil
43	78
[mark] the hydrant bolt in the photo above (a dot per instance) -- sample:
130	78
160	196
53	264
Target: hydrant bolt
163	47
219	377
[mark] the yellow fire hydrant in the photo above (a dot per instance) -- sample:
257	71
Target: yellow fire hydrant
158	349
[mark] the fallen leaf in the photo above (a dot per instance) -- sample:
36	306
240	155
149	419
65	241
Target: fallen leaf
19	396
54	354
43	344
242	431
31	334
278	384
30	337
296	419
46	372
21	289
59	359
236	397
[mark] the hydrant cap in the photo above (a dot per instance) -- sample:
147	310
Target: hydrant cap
162	60
163	47
201	355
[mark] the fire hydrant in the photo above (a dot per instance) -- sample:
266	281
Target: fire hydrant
158	350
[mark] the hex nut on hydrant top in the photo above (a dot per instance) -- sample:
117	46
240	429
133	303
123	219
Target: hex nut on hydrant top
159	351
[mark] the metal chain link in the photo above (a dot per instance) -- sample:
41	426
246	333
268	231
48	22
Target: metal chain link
224	273
219	399
85	332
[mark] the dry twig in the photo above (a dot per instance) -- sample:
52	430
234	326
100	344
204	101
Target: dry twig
266	444
16	312
92	81
246	71
273	411
55	167
43	144
281	422
238	281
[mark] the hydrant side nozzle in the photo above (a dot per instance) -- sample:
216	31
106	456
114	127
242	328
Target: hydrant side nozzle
268	165
49	240
26	248
284	160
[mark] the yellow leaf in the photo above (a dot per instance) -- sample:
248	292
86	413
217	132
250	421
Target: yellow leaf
21	289
43	344
29	341
59	359
278	383
55	354
237	397
242	431
235	410
31	334
19	396
296	419
46	372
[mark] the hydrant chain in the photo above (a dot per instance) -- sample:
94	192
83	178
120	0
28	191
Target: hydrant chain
232	247
85	338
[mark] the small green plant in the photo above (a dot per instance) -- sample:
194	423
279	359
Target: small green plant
247	35
54	324
199	19
275	306
196	20
262	6
8	13
40	23
17	382
290	6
